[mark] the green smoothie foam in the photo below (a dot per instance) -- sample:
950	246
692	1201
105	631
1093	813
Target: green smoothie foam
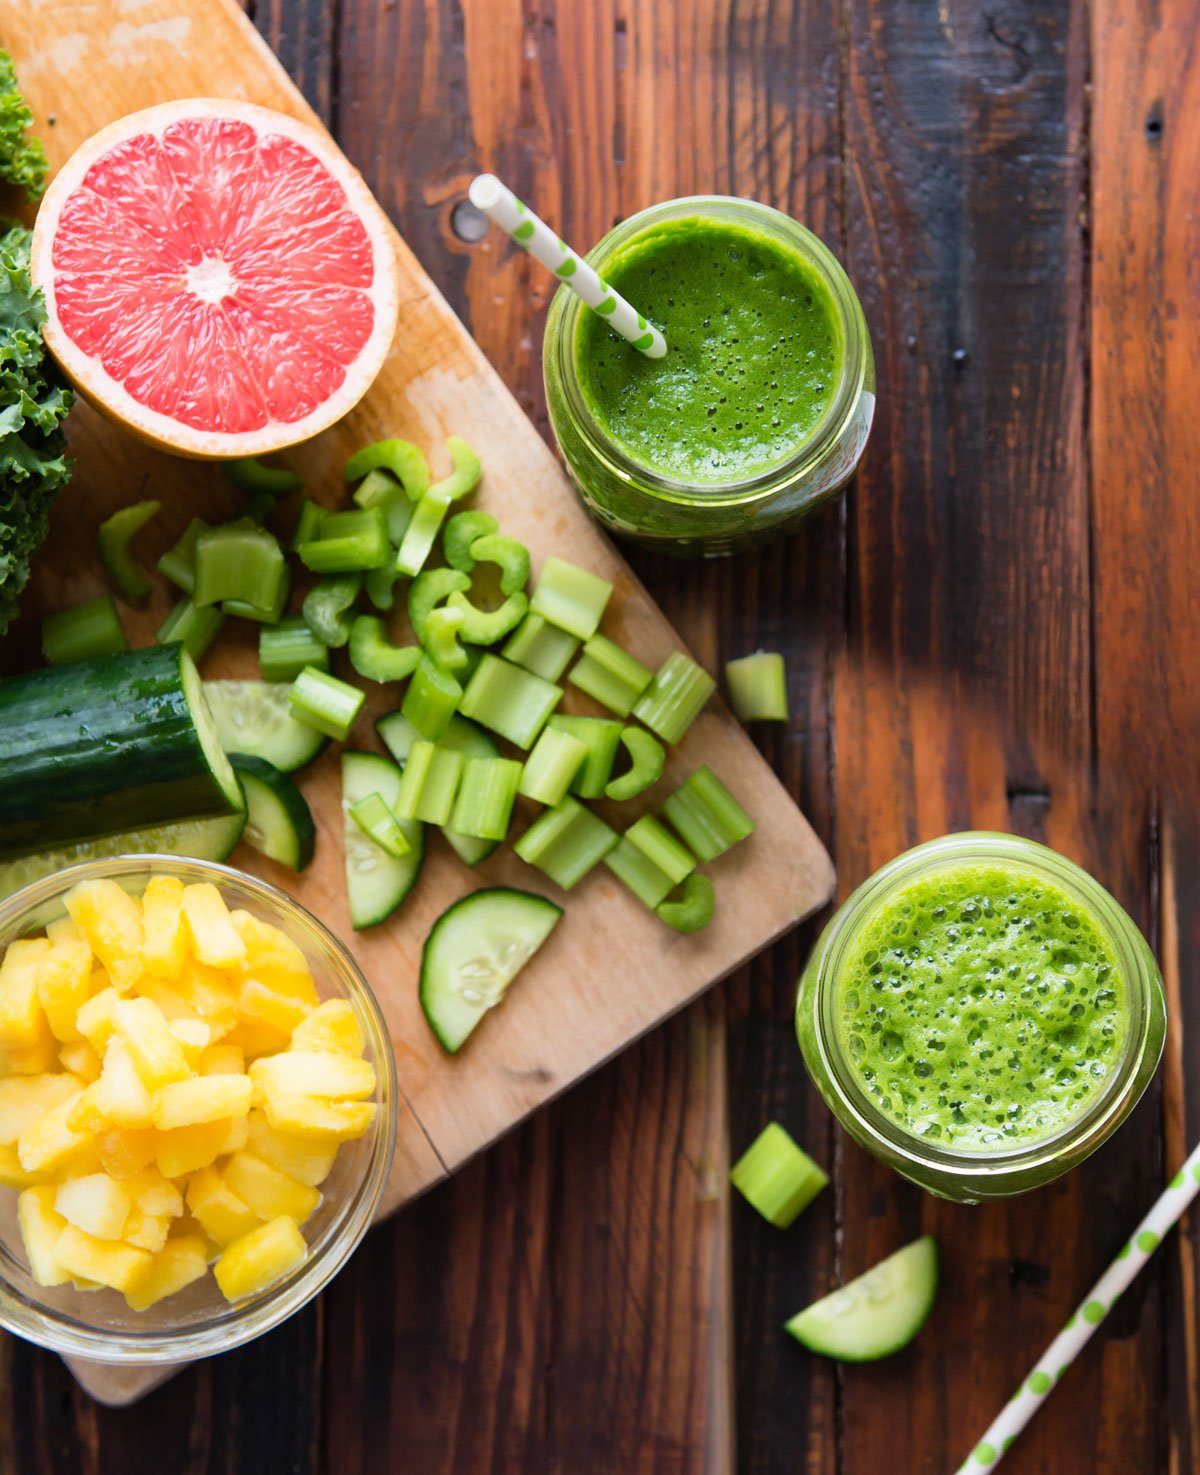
981	1007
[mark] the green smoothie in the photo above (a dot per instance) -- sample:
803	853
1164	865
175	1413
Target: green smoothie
981	1007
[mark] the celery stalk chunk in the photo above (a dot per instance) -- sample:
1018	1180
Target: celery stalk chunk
346	541
610	675
758	687
325	703
421	533
465	476
429	783
327	608
602	737
376	820
405	461
113	540
566	842
540	647
178	563
462	531
253	476
285	649
92	628
706	816
693	910
509	700
647	760
432	698
374	656
550	769
308	523
650	861
675	698
380	489
487	792
509	556
570	597
777	1177
430	589
486	627
242	562
194	629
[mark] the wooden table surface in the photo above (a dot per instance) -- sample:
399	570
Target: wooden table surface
997	627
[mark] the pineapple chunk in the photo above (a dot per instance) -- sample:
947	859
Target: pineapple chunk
236	1137
189	1227
107	1261
48	1143
126	1154
79	1059
95	1019
12	1174
112	921
308	1161
332	1026
255	1038
207	991
273	958
318	1120
267	1190
154	1194
41	1229
260	1258
23	1022
64	982
194	1036
217	1209
222	1060
29	1060
157	1055
164	950
146	1231
312	1073
215	940
24	1098
261	1005
96	1204
171	1003
118	1099
65	929
184	1149
201	1099
177	1264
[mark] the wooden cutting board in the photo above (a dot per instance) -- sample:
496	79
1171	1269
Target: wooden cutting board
611	971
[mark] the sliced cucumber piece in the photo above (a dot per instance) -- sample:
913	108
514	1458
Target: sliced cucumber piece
376	882
279	823
471	850
877	1314
254	718
474	951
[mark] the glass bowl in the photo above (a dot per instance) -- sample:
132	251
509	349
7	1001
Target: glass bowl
198	1321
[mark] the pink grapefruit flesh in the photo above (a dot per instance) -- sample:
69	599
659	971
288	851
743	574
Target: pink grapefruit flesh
217	277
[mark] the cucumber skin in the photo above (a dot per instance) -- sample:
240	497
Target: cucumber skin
285	793
887	1349
101	747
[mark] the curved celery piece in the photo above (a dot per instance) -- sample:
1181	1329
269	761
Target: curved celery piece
511	557
464	529
115	535
442	629
485	627
465	476
428	516
380	584
308	523
692	911
431	700
242	562
326	606
429	589
250	475
374	656
647	757
178	563
405	461
380	489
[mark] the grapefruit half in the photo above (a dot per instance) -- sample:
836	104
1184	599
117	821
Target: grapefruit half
217	277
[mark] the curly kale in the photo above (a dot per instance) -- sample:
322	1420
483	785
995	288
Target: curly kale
22	159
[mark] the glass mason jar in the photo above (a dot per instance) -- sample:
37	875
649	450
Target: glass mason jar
715	517
972	1176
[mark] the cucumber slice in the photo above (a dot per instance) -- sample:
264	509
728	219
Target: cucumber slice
254	718
279	823
470	849
474	951
464	737
376	882
877	1314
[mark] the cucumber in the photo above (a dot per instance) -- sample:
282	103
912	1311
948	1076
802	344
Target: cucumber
279	823
253	718
106	746
474	951
376	882
877	1314
465	737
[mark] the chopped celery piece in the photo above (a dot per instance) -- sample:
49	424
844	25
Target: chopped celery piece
777	1177
92	628
692	911
285	649
265	614
178	563
429	783
241	561
541	647
249	474
566	843
256	509
308	523
113	540
602	737
327	608
758	687
380	584
706	815
374	656
570	597
347	541
431	700
509	700
380	489
465	476
509	556
463	530
442	630
486	794
375	819
486	627
323	702
428	590
647	760
650	861
193	628
421	533
675	698
556	758
405	461
610	675
399	735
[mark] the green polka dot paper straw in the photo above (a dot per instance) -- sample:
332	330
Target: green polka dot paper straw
1103	1296
498	201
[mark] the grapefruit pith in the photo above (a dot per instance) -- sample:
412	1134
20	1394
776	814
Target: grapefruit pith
217	277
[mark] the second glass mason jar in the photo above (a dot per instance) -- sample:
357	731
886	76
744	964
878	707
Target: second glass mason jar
1049	1008
726	243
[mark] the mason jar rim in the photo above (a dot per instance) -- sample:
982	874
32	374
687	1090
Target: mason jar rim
561	327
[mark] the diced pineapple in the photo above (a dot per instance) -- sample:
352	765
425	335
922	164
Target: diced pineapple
260	1258
332	1026
273	958
97	1204
157	1055
95	1019
64	982
194	1036
236	1137
189	1227
154	1194
184	1149
146	1231
173	1006
65	929
107	1261
48	1143
29	1060
12	1174
209	994
41	1229
23	1022
164	949
118	1099
222	1060
201	1099
24	1098
269	1191
112	922
254	1038
177	1264
259	1004
126	1154
312	1073
319	1120
79	1059
215	940
308	1161
217	1209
